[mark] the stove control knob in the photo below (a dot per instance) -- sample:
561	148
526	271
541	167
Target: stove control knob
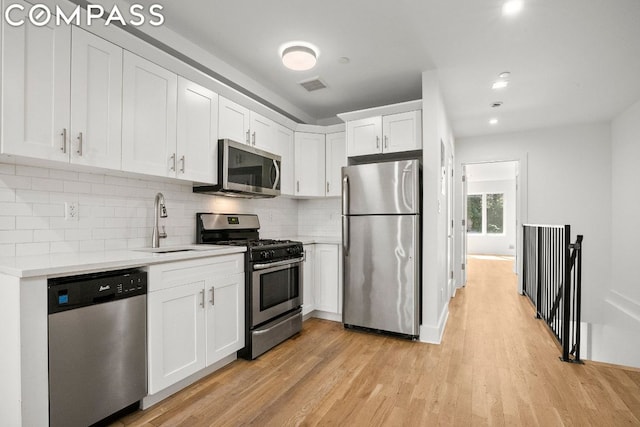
273	253
264	255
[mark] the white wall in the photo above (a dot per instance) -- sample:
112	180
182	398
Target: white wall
567	176
435	128
495	244
620	330
115	212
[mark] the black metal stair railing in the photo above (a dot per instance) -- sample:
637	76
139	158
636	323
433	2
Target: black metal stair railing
552	279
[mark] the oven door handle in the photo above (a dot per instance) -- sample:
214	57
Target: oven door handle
277	264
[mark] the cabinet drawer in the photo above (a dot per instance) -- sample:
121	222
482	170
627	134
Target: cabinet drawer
171	274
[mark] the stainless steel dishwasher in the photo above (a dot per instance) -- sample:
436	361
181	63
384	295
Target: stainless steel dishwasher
97	345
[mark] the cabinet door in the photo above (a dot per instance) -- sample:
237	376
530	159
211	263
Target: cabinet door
284	148
263	133
176	334
35	88
402	132
308	297
336	158
364	136
96	101
327	282
309	164
197	140
149	117
233	121
225	317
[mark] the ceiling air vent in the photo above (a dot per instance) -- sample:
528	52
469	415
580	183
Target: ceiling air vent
313	84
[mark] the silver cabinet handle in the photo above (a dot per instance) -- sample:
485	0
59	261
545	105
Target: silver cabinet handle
377	142
327	187
213	296
386	141
63	147
253	137
202	296
298	186
247	138
182	162
79	151
173	162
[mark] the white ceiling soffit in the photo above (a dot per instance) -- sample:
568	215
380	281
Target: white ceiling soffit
571	61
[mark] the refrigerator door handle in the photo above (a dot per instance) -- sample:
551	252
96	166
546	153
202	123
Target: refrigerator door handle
408	199
345	235
345	195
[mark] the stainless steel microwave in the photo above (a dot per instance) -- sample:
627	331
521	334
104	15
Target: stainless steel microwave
244	171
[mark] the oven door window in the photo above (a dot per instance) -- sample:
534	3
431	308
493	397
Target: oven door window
278	287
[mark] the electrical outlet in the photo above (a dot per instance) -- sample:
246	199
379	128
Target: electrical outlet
71	211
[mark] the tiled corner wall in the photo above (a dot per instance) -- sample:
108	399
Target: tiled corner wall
115	212
319	217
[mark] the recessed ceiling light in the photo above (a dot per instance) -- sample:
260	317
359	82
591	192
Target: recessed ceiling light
504	75
499	84
512	7
493	121
496	104
299	56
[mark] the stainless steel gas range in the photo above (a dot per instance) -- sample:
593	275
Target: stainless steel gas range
273	284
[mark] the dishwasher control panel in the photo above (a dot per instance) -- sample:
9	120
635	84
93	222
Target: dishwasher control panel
66	293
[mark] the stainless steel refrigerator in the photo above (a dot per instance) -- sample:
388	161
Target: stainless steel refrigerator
381	246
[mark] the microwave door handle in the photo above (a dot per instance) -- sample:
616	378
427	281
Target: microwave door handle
277	180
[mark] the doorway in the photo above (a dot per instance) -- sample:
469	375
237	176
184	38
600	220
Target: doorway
491	211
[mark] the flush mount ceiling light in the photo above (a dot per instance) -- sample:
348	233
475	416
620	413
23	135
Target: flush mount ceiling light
493	121
512	7
299	56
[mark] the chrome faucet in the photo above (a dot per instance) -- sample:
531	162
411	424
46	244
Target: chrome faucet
159	211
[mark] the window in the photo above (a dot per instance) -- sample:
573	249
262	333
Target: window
485	213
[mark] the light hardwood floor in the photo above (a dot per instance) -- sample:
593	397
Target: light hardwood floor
497	365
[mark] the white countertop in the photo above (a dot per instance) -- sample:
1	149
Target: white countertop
85	262
308	240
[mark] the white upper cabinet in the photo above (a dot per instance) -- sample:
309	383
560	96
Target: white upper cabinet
364	136
197	139
35	88
336	158
96	101
284	148
385	134
149	117
402	132
263	133
309	164
233	121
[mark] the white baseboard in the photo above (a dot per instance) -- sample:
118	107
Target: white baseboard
326	315
151	400
433	334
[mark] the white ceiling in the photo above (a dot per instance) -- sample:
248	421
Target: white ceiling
571	61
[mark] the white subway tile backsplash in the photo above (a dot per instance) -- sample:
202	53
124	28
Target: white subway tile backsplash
77	187
15	182
63	175
7	169
7	223
45	184
7	249
31	196
26	249
115	212
32	171
7	195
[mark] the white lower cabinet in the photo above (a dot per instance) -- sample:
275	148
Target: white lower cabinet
327	278
195	315
308	297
